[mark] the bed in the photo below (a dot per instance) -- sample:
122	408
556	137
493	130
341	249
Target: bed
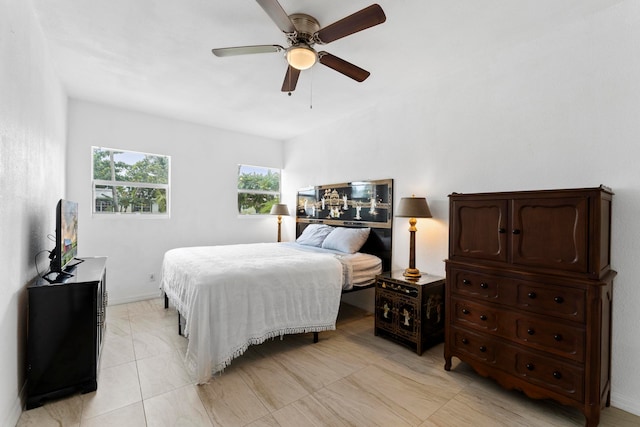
234	296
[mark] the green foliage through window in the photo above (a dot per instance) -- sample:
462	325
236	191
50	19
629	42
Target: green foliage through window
128	182
258	189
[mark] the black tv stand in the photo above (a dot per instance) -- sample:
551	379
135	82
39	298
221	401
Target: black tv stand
65	330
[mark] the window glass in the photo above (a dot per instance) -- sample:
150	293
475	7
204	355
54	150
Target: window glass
128	182
258	189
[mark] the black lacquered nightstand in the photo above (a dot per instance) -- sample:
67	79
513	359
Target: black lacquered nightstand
410	312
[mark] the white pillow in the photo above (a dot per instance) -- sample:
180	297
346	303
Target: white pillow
314	234
348	240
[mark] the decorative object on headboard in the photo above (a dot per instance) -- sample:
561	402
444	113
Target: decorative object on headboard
413	207
355	204
280	209
359	203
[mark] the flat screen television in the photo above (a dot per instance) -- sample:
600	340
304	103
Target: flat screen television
66	236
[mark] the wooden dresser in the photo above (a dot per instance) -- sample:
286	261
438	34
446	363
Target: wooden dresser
529	292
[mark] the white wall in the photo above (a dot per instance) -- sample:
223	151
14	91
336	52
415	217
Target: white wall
203	197
558	111
32	164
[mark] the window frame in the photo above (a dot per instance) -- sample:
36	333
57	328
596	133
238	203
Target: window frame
277	194
115	183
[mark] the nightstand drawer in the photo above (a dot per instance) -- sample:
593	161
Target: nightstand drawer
404	289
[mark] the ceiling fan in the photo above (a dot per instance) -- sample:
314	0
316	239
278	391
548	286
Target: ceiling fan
303	32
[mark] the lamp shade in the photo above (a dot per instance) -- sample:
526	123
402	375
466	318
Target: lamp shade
301	57
279	209
413	207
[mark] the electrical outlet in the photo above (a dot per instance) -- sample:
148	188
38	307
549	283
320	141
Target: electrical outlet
152	277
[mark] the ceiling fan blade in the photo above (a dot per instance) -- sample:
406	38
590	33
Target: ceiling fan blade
247	50
342	66
361	20
277	15
290	79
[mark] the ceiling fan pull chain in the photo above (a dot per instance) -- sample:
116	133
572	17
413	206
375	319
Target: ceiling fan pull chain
311	92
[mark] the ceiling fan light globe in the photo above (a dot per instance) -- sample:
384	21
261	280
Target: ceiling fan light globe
301	57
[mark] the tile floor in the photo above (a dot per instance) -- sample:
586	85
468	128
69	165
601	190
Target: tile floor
349	378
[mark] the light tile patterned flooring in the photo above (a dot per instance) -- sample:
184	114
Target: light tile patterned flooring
349	378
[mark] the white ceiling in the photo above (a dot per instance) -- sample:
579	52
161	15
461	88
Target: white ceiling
155	55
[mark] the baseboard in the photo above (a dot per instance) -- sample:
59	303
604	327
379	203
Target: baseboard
118	301
16	410
627	405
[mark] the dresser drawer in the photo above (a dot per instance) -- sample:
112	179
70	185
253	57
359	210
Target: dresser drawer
567	303
521	327
550	373
560	377
474	285
475	315
552	337
479	347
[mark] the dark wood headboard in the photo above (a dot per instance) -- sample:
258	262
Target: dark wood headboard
357	205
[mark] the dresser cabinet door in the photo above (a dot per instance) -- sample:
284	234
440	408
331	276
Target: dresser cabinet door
551	233
479	229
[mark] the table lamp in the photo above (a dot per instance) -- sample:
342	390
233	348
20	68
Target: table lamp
279	209
412	208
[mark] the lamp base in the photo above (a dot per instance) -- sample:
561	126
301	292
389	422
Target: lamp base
412	273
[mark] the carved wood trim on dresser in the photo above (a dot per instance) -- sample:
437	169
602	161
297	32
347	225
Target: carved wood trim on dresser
529	292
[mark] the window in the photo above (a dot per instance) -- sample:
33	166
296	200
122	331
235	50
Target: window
128	182
258	189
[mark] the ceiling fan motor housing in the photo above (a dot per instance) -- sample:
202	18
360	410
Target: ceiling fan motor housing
306	27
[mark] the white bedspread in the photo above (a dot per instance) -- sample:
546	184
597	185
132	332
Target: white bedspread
234	296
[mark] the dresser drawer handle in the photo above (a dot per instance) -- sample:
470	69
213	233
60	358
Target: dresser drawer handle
484	285
557	375
531	331
465	311
516	231
559	300
483	349
502	230
530	366
466	282
532	295
465	341
557	337
483	317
